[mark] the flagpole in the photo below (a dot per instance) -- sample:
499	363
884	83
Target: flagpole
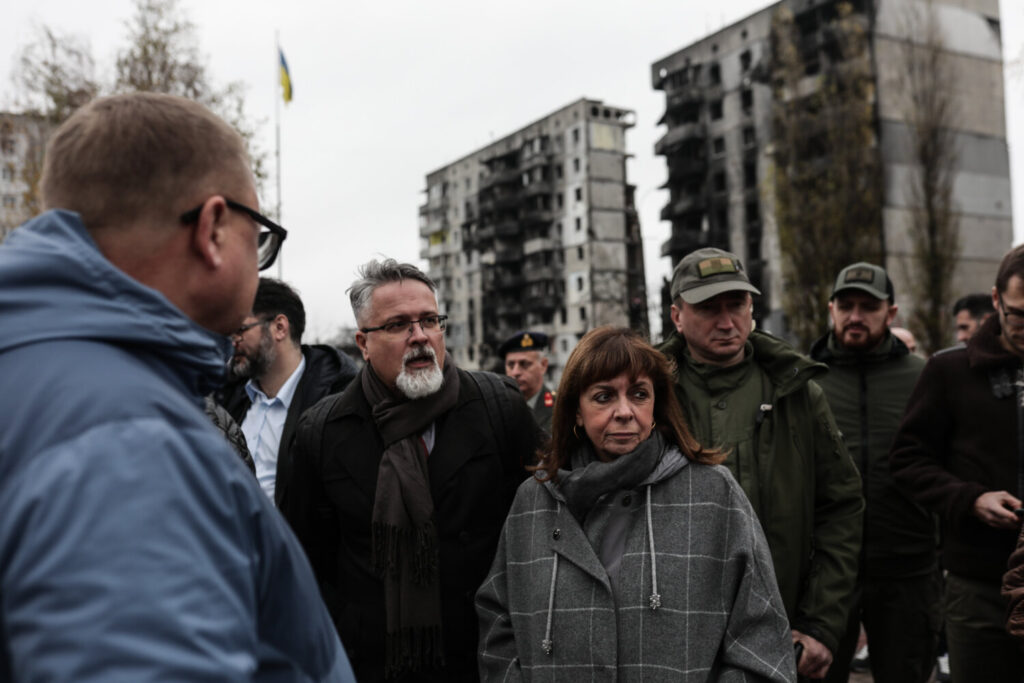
277	145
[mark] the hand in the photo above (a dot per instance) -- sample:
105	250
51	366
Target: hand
995	508
816	658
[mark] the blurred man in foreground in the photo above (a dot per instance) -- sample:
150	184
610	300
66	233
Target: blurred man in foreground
134	544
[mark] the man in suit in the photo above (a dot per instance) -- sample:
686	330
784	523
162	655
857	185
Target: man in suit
402	483
276	378
526	363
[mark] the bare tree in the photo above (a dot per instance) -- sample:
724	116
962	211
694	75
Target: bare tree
55	75
929	89
826	173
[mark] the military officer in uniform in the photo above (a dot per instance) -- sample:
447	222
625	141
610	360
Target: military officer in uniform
526	363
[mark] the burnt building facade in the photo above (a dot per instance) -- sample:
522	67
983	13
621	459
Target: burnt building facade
537	230
719	137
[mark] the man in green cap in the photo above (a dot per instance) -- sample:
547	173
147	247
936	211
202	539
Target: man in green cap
752	395
871	376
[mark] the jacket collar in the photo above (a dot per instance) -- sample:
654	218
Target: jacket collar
788	370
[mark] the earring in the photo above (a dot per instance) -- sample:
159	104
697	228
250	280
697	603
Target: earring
653	425
576	433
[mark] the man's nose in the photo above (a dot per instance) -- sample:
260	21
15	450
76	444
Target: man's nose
723	320
416	333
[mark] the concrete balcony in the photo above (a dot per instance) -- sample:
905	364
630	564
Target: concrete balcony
682	206
678	135
539	244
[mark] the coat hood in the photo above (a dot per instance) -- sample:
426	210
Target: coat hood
55	285
826	350
984	350
787	368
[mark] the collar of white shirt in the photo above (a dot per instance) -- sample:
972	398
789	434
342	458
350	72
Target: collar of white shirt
286	393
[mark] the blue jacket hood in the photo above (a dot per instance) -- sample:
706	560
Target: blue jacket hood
56	285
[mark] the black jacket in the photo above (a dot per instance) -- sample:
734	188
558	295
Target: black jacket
474	473
868	393
958	440
328	371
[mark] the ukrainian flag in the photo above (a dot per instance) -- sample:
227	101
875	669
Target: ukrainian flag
286	79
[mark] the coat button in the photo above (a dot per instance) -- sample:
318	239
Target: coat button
721	405
556	533
626	500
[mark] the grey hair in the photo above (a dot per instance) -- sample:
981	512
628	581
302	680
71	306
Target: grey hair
376	273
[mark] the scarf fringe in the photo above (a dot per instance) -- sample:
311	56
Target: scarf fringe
413	650
388	539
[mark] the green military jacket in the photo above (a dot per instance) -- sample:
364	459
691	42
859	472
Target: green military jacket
785	450
868	393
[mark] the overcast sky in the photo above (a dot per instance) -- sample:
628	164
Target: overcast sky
386	92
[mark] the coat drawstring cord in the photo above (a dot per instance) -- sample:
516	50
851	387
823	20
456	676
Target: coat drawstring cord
547	644
655	599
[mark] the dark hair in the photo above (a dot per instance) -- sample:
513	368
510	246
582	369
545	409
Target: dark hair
375	273
605	353
1013	264
977	305
128	157
274	298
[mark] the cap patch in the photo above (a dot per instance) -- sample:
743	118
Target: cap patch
716	266
526	342
859	275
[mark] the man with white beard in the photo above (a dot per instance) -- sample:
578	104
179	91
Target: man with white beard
402	484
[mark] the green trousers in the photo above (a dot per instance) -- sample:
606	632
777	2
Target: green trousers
980	649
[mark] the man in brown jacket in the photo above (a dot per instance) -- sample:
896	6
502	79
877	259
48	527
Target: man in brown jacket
958	452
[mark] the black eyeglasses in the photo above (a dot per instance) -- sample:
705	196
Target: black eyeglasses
400	328
1013	318
245	328
269	240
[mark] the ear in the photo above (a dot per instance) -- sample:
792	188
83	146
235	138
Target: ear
361	343
995	299
544	363
893	310
281	326
209	234
579	418
677	318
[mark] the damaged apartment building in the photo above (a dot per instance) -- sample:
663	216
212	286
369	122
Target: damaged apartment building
537	231
719	141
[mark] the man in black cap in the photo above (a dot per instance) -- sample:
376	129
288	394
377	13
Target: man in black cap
526	363
871	376
753	396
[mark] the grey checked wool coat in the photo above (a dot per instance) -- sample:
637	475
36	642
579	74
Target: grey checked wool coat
720	616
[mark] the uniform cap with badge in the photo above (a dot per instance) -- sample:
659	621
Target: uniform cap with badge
706	273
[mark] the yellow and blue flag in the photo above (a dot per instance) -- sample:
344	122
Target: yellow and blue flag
286	78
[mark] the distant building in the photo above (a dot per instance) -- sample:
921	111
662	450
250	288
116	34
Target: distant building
719	137
537	230
21	155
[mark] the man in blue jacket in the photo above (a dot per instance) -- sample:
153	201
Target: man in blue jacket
134	545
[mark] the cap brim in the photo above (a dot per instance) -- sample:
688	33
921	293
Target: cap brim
705	292
860	288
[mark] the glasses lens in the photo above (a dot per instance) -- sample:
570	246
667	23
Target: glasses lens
269	244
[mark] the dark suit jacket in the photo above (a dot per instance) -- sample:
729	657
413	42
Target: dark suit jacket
542	411
328	371
473	472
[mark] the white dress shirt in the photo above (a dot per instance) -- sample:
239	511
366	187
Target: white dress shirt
264	423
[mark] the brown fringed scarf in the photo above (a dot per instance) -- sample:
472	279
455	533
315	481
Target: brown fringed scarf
405	546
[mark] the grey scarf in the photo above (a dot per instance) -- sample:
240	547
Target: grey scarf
405	546
590	478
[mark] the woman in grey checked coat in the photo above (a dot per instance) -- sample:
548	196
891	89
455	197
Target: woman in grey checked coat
630	555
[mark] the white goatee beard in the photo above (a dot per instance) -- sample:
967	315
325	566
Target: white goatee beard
419	383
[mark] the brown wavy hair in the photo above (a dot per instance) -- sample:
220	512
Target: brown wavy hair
605	353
